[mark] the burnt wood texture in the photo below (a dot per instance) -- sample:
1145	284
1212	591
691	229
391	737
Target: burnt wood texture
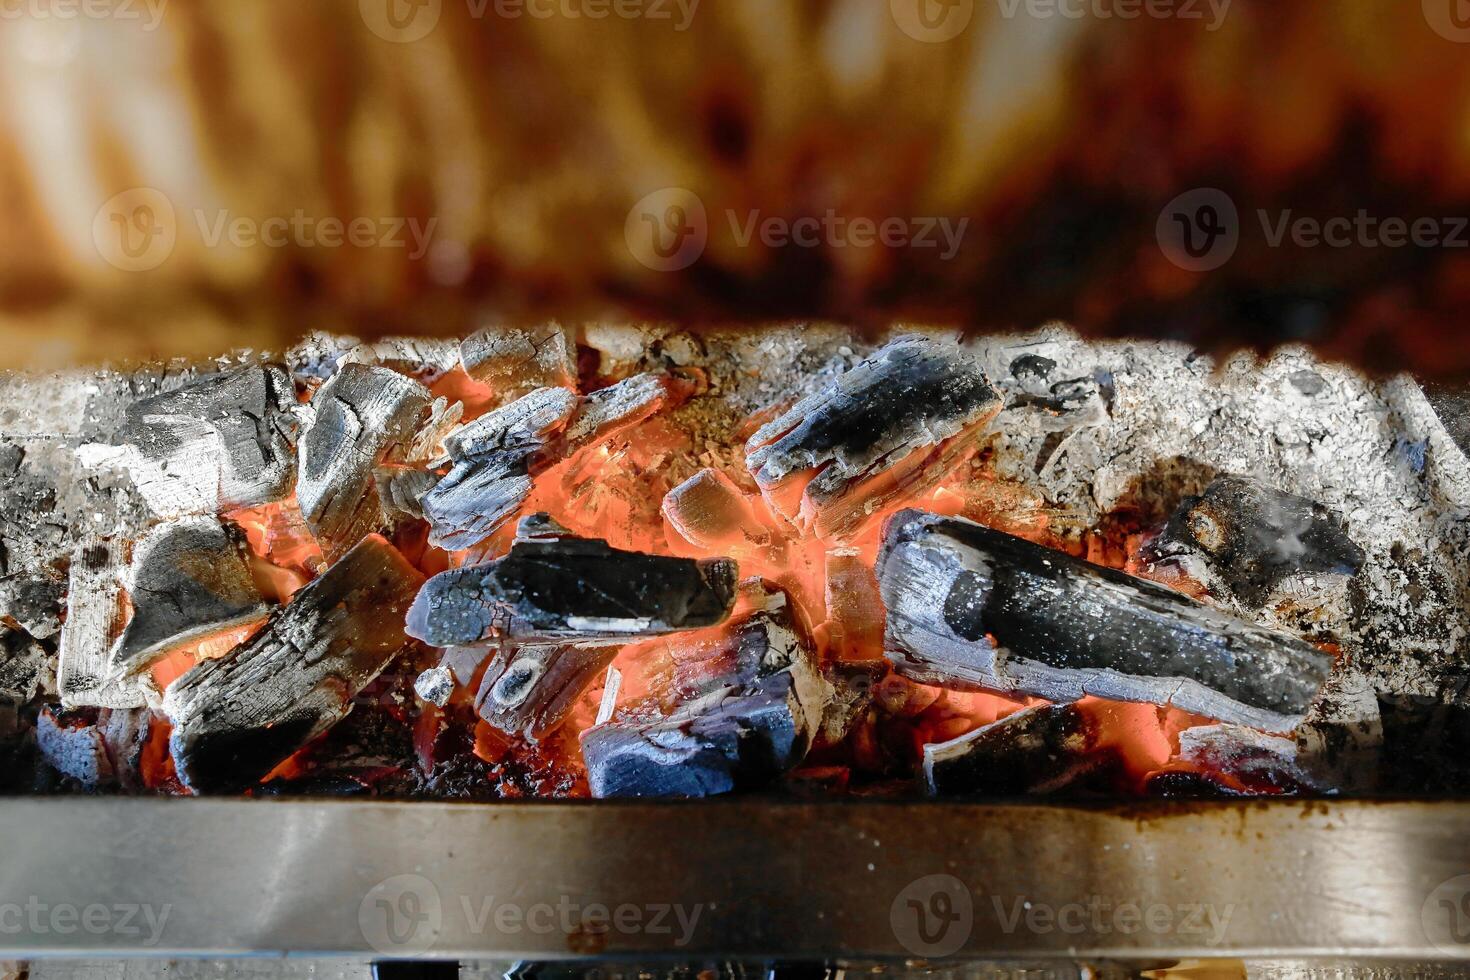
972	607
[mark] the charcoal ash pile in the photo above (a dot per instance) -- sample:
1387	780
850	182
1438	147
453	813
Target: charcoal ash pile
498	582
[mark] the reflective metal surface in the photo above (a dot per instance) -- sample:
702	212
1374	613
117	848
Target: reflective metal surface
83	877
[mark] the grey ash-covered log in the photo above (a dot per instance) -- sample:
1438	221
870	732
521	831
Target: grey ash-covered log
362	417
1041	749
750	718
238	717
1249	537
554	587
529	690
496	456
973	607
223	442
894	424
94	620
189	579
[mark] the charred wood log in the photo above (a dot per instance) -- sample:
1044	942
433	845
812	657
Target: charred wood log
972	607
752	719
1040	749
361	417
94	620
1250	537
530	690
497	456
513	360
553	587
125	733
189	580
425	359
238	717
894	425
223	442
27	673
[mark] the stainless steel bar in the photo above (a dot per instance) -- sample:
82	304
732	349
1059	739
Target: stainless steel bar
87	877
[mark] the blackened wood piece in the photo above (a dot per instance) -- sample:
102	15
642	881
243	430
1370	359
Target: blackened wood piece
529	690
1040	749
361	417
497	456
27	670
559	587
223	442
972	607
240	716
750	719
913	394
189	579
1253	536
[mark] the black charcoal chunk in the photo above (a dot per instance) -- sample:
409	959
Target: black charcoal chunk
1040	749
553	586
1252	536
751	717
238	717
975	608
189	579
910	397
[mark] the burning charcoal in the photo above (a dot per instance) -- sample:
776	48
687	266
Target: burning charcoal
435	685
852	693
401	489
125	734
221	443
72	743
894	425
94	621
752	719
972	607
360	418
1260	762
1250	537
189	579
1039	749
709	511
556	587
491	477
513	361
497	455
529	690
236	718
854	607
27	672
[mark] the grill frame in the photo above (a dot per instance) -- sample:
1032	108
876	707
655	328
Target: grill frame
800	880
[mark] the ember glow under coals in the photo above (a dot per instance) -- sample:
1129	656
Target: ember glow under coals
632	561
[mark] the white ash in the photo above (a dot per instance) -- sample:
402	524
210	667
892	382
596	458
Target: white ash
435	685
